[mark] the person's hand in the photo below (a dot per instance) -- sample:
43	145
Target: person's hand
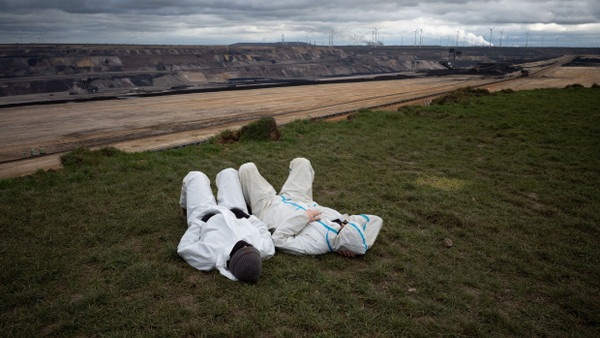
313	215
346	253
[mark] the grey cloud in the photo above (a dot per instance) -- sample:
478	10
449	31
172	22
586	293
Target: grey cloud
577	11
245	19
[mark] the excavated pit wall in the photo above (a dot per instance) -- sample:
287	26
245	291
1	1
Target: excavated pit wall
81	69
45	69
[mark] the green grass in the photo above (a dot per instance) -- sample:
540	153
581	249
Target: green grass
512	179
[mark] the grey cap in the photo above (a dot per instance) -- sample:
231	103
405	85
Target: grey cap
245	264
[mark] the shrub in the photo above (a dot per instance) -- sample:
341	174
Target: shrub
461	95
264	129
574	86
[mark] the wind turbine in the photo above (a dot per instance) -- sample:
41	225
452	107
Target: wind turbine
416	30
457	36
491	30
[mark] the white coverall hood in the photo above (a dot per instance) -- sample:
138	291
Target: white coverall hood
350	238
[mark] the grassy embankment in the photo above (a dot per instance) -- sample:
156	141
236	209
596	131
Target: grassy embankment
512	179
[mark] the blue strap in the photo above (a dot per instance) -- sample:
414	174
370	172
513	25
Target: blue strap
368	220
289	201
361	235
327	227
327	239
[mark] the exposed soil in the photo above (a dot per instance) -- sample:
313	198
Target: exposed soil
153	123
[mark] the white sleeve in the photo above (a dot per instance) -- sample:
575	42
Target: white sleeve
312	240
201	255
285	233
265	246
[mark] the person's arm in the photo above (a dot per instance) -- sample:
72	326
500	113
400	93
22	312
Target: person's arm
201	255
266	246
289	228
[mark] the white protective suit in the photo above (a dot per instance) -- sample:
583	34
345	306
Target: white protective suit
285	214
206	246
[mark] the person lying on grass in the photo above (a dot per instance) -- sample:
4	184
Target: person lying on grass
298	224
222	236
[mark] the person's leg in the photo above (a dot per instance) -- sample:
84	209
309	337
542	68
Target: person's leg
229	192
298	185
196	195
257	191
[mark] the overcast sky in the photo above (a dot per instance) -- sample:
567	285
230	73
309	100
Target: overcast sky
513	22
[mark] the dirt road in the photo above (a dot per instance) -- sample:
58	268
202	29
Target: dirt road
151	123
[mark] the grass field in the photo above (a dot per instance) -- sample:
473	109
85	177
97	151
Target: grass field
511	179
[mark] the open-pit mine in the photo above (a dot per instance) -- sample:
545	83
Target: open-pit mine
54	98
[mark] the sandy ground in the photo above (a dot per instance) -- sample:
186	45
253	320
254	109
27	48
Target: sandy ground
153	123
